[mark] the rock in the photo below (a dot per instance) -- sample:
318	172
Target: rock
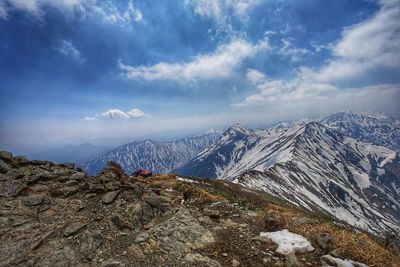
141	237
335	252
225	254
235	263
325	241
111	263
329	261
6	156
33	200
181	234
230	224
11	188
261	239
73	228
66	191
120	222
4	167
90	245
197	259
136	252
267	261
292	261
77	176
214	214
109	197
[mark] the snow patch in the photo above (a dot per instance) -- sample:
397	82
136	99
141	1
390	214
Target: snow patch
186	180
288	242
329	261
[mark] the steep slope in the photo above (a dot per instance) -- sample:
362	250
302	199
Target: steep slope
160	157
371	127
216	160
315	168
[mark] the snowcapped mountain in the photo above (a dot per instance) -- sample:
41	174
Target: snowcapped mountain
160	157
313	167
373	127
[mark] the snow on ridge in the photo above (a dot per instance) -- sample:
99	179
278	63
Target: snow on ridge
288	242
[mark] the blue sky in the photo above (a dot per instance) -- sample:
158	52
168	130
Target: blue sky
79	70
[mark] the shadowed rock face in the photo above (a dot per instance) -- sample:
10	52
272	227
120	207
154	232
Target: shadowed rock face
54	215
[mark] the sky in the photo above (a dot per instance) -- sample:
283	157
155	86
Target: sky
73	71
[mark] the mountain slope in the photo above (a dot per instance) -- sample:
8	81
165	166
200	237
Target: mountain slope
371	127
315	168
160	157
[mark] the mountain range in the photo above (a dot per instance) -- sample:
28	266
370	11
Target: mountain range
346	165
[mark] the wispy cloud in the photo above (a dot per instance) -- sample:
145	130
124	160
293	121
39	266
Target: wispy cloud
107	10
292	52
219	64
218	10
68	48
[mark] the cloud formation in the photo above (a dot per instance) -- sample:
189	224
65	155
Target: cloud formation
218	10
107	10
368	45
67	48
219	64
119	114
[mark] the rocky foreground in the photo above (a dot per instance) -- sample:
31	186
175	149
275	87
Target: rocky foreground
54	215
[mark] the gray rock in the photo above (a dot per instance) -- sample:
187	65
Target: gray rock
211	213
6	156
4	167
292	261
73	228
32	200
109	197
66	191
141	237
181	234
11	187
325	241
197	259
111	263
235	263
90	245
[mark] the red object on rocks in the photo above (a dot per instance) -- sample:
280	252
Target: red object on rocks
142	173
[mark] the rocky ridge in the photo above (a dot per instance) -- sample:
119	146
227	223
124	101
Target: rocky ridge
55	215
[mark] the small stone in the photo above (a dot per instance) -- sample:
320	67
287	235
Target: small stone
261	239
325	241
230	224
225	254
110	197
335	253
120	222
211	213
141	237
267	261
73	228
136	252
111	263
292	261
235	263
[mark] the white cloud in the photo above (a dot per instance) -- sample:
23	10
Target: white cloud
219	64
112	14
35	7
218	10
255	76
368	45
89	118
67	48
119	114
109	12
294	53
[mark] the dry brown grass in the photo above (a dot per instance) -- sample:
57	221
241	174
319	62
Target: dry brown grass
352	245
